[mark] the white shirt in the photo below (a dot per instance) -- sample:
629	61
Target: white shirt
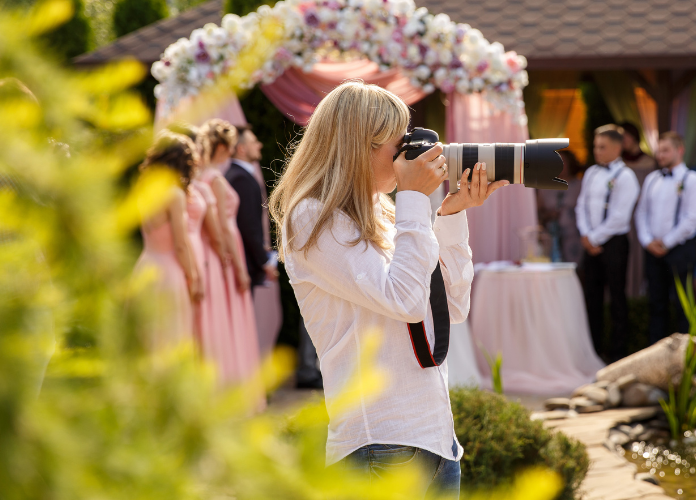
656	212
348	292
589	210
245	165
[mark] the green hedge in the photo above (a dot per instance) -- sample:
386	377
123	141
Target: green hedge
243	7
499	440
131	15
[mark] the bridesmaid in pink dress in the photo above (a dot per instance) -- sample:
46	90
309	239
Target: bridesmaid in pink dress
216	139
168	249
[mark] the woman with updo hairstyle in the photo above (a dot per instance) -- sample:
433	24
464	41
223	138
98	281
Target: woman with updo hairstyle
167	246
239	360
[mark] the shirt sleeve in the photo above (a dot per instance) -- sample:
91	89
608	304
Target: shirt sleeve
581	206
623	199
686	227
452	233
641	216
398	288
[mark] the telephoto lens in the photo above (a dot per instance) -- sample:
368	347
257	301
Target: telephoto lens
535	163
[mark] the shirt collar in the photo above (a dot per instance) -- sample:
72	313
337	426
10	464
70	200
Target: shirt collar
245	165
618	163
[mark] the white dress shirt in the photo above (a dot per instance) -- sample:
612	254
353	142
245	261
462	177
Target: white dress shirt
656	215
348	292
245	165
590	208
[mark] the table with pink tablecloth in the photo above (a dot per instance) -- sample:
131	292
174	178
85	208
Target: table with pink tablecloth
534	315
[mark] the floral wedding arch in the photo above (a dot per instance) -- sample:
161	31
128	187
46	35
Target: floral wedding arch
431	50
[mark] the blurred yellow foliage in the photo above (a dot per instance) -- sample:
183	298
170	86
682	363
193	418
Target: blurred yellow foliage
103	416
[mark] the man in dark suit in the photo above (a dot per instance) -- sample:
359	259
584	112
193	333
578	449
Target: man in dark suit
240	175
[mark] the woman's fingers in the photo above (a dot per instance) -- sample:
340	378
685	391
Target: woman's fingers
495	185
475	180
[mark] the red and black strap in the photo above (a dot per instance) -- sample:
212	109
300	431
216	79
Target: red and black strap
441	322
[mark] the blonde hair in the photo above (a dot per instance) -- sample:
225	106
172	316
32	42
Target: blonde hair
214	133
332	163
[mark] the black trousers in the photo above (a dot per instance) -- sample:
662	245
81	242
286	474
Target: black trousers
609	268
661	274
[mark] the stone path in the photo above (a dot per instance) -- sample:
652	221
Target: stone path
610	476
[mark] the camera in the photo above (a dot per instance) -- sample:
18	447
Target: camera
536	164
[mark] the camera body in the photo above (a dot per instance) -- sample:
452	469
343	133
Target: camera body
535	163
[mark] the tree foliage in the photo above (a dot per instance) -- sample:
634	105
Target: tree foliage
244	7
72	38
131	15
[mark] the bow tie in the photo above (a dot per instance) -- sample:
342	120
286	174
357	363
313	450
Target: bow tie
666	172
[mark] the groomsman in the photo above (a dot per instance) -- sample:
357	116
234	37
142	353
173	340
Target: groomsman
666	224
605	206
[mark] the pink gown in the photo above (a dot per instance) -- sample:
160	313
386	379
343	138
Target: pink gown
216	343
241	307
170	319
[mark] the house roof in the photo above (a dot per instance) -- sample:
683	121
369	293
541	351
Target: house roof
551	34
584	34
148	43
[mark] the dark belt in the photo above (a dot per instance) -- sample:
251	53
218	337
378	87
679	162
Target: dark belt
441	322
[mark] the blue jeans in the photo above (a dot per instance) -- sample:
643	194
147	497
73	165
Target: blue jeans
376	460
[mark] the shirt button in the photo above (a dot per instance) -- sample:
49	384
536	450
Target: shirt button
360	276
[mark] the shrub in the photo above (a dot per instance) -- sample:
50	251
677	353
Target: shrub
131	15
72	38
499	440
243	7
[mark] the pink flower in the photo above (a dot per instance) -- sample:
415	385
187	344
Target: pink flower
511	60
482	66
447	86
398	36
311	18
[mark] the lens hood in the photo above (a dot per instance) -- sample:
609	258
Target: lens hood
542	164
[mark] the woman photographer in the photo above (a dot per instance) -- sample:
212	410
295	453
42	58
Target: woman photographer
359	264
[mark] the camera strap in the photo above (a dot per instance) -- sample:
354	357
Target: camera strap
441	324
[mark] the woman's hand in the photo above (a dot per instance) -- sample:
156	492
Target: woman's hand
470	194
243	281
423	174
195	286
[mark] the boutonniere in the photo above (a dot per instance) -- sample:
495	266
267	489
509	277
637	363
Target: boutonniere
680	188
610	184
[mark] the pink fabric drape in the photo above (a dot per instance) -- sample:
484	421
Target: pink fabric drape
297	93
493	227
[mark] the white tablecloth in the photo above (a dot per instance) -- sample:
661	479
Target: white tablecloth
535	316
461	360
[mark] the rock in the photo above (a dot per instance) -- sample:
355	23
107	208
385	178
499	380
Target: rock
658	423
596	394
642	395
557	404
646	414
657	365
550	415
636	430
613	396
602	384
626	380
646	436
617	437
589	409
580	401
647	477
580	391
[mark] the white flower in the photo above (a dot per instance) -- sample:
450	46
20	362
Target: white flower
428	88
430	57
462	86
422	72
